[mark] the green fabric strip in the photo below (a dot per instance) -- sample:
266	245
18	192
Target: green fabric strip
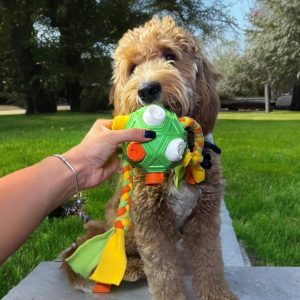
88	255
179	174
122	203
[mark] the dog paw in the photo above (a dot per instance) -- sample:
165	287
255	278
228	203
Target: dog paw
134	270
220	294
179	296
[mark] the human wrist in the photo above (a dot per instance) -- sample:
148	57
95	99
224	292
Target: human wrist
57	181
76	159
72	169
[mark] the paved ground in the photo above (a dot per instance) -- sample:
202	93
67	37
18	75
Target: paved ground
11	110
15	110
48	277
47	282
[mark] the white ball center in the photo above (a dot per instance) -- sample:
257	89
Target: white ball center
175	150
154	115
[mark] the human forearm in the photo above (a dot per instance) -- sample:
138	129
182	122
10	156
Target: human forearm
27	196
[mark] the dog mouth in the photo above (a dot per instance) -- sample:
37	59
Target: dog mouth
168	105
171	97
175	108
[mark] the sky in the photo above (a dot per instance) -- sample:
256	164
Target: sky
239	10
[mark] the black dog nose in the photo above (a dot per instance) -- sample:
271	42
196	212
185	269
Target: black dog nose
149	92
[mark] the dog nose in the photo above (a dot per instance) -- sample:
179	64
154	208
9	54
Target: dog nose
149	92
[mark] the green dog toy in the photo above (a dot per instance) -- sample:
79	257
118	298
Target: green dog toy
103	257
161	154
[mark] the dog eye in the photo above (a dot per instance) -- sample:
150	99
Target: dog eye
132	68
170	56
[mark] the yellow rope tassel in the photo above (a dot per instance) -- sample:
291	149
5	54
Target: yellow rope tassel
112	265
107	252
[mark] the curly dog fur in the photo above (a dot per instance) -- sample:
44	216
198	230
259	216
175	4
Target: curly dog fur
169	55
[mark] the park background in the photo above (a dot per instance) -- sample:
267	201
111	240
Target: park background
55	53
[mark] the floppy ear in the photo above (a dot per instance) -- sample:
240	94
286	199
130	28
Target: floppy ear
111	95
113	102
206	98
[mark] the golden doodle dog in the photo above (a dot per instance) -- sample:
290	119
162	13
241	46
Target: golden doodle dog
161	62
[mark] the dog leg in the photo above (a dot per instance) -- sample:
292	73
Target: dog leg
203	249
162	264
156	239
134	270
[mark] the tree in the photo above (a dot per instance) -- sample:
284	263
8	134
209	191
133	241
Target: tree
234	65
20	66
207	20
274	42
62	48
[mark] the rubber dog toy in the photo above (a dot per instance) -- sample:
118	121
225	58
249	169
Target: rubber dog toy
103	257
161	154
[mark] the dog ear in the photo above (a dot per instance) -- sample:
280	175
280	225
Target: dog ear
112	103
111	95
207	102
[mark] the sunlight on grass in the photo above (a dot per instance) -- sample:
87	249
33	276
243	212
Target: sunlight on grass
261	167
260	115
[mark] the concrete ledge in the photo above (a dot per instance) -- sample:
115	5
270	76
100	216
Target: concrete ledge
232	254
47	282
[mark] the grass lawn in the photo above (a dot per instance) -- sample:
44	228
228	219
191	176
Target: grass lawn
25	140
261	161
261	165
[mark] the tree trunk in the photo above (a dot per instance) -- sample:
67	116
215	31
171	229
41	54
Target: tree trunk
295	104
46	104
267	98
30	107
39	100
43	99
73	94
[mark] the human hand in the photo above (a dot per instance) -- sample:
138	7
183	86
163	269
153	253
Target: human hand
95	158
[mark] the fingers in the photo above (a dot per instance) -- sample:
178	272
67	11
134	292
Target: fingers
104	122
100	125
112	166
137	135
116	137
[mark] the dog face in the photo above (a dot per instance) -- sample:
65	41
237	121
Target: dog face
163	63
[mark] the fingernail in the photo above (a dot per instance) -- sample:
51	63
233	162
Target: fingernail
149	134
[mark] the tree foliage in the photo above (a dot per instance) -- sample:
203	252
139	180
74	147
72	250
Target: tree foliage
234	65
274	42
61	49
270	54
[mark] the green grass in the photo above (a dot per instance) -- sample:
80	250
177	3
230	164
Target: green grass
25	140
261	165
261	162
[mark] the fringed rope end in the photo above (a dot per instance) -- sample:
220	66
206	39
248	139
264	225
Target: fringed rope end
104	255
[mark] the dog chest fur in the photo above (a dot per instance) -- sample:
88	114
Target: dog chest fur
182	201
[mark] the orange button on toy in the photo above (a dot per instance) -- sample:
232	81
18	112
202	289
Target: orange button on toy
154	178
136	152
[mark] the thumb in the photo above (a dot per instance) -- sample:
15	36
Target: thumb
134	134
